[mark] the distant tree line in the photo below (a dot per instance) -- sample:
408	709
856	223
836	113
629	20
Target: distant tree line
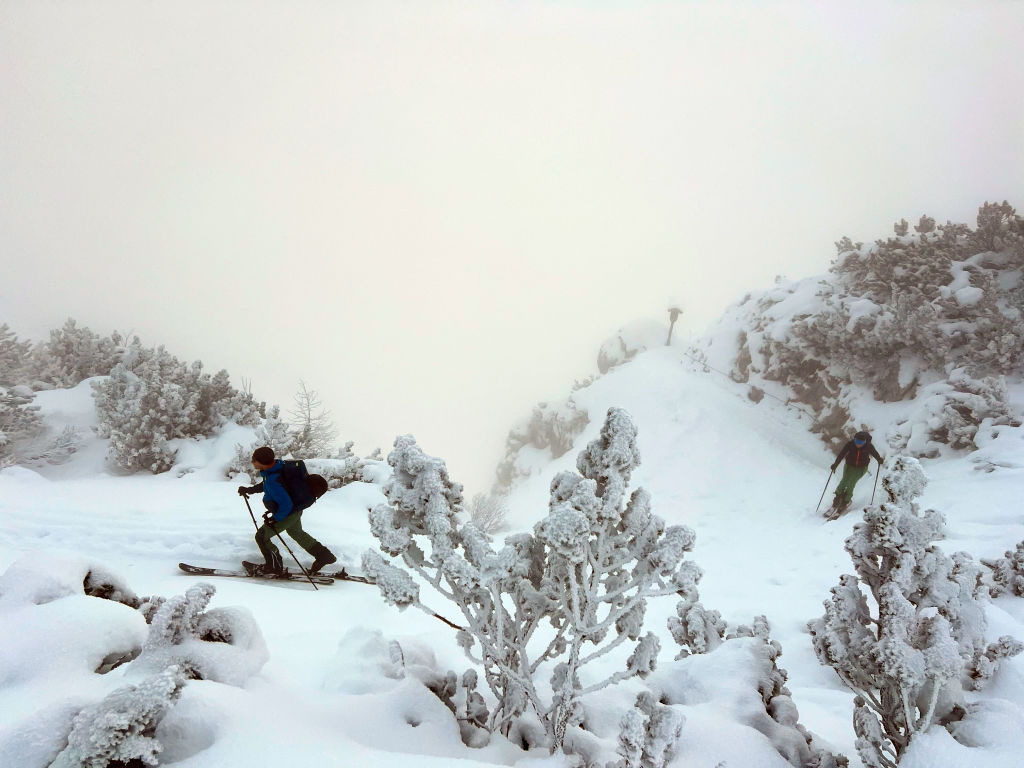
146	399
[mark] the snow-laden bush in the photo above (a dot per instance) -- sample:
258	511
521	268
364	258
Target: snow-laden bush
648	734
791	739
459	694
696	628
912	650
151	398
587	571
553	427
1007	573
19	421
220	644
942	308
13	357
73	354
120	731
952	411
628	342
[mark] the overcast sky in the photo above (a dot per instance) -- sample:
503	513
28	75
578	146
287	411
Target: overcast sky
434	213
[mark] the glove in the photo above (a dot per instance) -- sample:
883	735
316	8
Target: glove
243	491
834	466
268	517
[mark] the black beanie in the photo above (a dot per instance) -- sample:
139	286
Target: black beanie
264	455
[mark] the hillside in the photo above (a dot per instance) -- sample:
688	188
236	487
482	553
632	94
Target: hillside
744	476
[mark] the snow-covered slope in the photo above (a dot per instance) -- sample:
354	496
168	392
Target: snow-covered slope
745	476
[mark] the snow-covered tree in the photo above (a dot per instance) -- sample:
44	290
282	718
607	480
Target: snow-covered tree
139	412
75	353
121	729
912	650
151	398
588	570
551	426
19	421
13	357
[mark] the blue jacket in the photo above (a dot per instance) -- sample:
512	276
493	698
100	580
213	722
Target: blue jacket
275	497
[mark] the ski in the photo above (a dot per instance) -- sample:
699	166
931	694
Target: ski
345	575
197	570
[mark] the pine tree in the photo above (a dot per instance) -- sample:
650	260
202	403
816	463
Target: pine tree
13	358
19	421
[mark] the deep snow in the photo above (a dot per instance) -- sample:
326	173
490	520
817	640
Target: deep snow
745	477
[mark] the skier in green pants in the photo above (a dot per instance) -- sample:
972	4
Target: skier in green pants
858	453
281	517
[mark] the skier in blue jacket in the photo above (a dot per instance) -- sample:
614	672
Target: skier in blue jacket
280	517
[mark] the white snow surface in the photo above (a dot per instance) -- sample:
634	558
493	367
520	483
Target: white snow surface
745	477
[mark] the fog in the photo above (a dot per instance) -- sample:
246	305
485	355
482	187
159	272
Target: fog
434	213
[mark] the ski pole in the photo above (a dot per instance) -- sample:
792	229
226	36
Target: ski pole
282	541
878	471
823	491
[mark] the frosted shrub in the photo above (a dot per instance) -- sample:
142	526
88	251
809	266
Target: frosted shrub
551	426
75	353
587	571
19	421
121	729
464	702
791	739
272	431
694	627
341	469
60	449
151	398
138	413
13	357
1007	573
942	309
648	734
911	652
224	645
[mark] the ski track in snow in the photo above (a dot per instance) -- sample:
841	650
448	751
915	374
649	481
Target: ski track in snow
745	477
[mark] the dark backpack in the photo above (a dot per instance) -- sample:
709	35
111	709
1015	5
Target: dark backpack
303	488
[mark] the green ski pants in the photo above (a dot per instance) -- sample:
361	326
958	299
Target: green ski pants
844	491
292	525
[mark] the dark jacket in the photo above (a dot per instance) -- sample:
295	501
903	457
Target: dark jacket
858	457
275	497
